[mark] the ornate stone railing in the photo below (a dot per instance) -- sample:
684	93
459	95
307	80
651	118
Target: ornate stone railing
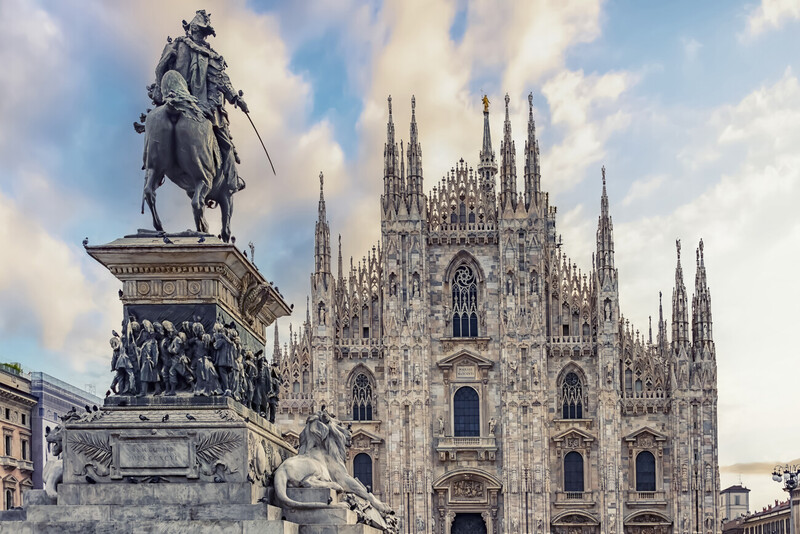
567	345
581	499
449	447
647	498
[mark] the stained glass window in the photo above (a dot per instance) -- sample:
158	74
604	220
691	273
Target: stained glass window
362	469
466	413
573	471
645	471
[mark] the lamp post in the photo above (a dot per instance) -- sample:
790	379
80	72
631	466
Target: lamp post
789	475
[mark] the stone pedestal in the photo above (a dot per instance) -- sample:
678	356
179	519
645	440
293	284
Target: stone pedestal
328	520
191	277
177	450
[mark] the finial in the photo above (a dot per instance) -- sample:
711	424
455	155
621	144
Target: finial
603	170
701	247
485	101
678	246
390	106
413	104
507	99
530	101
321	181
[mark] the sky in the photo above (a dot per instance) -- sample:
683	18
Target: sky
693	108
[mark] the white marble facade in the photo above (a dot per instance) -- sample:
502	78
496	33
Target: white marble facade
491	383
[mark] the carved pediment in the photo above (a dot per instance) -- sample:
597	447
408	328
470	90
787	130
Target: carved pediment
575	518
573	438
465	357
448	480
647	518
645	438
362	439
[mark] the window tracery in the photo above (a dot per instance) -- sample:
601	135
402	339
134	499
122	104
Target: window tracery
362	398
465	302
572	397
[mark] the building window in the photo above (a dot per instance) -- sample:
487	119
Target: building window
573	472
362	398
646	471
24	420
9	499
466	413
362	469
572	393
736	500
465	303
8	445
8	413
24	450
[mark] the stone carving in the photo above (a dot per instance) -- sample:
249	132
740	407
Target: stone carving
53	472
684	478
492	426
212	447
252	297
441	425
96	449
155	358
186	134
320	463
535	373
468	489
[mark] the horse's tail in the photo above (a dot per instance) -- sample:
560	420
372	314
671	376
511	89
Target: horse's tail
279	482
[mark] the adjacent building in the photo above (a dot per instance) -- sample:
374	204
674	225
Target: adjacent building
16	463
492	385
774	519
54	398
734	502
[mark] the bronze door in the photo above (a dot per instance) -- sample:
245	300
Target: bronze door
468	524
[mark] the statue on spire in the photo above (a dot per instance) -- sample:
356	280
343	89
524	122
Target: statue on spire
485	101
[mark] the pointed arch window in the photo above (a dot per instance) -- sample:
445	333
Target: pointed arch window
465	303
573	472
645	471
362	469
572	397
362	398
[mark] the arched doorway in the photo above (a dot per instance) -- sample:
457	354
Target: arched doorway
468	524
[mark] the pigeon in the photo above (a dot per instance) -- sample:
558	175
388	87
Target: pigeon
245	253
250	479
218	480
233	239
108	393
85	241
202	239
90	480
120	293
165	418
246	419
88	410
143	418
132	480
190	417
168	241
94	408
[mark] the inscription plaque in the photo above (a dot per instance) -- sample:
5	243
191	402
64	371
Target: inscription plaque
146	453
465	371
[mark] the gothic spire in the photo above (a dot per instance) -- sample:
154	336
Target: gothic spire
322	244
701	304
508	172
390	159
605	239
533	177
680	322
662	326
487	167
276	350
414	153
340	273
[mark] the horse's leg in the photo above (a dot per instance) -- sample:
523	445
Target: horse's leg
226	209
153	178
199	207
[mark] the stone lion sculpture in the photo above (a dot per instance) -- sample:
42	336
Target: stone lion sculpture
320	463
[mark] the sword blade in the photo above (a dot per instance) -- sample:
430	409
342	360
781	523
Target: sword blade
262	143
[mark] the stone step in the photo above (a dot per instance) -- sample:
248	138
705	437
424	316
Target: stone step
226	512
164	493
150	527
338	529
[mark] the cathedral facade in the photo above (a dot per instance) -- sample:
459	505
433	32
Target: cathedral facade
492	386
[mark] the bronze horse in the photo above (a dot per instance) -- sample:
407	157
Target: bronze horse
180	144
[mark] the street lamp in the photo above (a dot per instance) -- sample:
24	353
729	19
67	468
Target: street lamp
788	474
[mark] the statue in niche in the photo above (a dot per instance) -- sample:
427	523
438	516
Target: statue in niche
441	425
148	354
322	314
512	373
535	372
492	426
609	373
415	286
417	374
323	371
607	310
123	383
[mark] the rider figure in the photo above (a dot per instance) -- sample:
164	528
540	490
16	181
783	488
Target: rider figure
204	72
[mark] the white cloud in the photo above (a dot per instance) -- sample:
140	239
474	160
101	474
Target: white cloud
586	108
691	48
643	188
772	14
